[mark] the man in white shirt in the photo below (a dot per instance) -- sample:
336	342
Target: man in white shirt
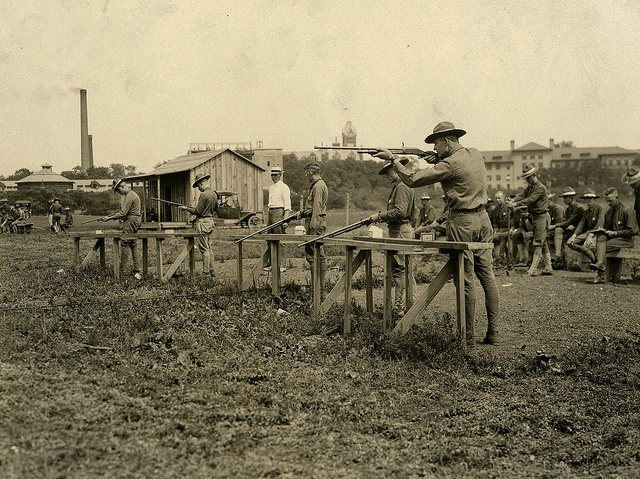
279	208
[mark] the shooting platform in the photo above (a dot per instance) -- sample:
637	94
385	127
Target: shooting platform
358	251
117	237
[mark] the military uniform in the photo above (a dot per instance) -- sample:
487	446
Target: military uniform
592	218
501	219
315	223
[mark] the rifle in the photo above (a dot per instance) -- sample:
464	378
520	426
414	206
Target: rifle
430	156
168	202
346	229
270	227
90	221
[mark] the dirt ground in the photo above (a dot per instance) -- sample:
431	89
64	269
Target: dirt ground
192	379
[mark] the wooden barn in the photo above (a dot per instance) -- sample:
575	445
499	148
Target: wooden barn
172	181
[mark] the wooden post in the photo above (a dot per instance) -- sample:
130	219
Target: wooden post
76	254
239	267
145	256
275	266
103	254
388	291
369	281
348	276
159	258
315	272
192	257
347	208
459	273
116	258
409	281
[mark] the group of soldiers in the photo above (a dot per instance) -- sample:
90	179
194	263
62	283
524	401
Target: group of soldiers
529	216
533	219
9	216
55	215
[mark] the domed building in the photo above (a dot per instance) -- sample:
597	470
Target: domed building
45	178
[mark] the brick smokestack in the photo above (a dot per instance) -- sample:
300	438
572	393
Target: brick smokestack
85	148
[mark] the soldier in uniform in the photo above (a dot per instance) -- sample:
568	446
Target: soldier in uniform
56	215
400	208
535	198
554	235
617	232
314	214
204	211
68	220
565	228
582	239
632	178
521	235
501	221
462	174
129	216
426	217
4	213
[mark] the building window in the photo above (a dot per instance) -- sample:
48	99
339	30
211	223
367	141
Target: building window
497	167
508	167
499	186
488	177
524	157
488	167
532	157
498	178
539	157
268	163
618	162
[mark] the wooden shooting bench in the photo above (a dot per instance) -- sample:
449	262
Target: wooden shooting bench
453	268
273	243
117	237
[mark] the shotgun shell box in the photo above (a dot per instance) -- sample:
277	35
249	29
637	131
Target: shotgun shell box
426	237
299	230
375	232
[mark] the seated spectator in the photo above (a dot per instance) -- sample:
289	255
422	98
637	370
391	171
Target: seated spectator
554	235
582	239
68	220
501	217
564	229
617	232
521	236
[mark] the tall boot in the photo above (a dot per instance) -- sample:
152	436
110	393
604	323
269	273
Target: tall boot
588	253
469	315
547	270
557	242
493	310
537	254
601	256
206	262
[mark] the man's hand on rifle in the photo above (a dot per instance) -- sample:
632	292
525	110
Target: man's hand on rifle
384	154
300	215
374	218
104	218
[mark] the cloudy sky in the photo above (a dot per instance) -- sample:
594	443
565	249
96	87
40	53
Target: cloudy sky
161	74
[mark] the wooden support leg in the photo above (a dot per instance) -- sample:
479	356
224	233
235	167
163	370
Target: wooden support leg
388	291
103	253
159	258
192	258
369	280
348	276
409	281
255	271
458	258
176	264
239	267
274	248
145	256
76	255
315	272
91	253
116	258
422	301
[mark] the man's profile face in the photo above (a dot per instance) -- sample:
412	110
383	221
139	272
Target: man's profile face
275	177
611	199
500	198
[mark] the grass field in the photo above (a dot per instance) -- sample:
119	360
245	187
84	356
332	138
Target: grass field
192	379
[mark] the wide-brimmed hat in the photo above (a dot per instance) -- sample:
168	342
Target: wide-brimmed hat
116	183
589	193
200	178
568	191
632	175
528	170
425	197
4	200
276	170
444	128
56	199
388	164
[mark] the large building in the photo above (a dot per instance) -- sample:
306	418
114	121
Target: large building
45	178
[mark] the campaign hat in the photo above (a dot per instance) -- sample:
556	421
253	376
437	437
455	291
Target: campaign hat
528	169
389	164
632	176
444	128
589	193
200	178
117	183
568	191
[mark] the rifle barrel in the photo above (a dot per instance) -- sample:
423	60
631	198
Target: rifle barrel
269	228
337	232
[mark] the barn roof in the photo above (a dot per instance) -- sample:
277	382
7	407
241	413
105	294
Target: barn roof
45	175
187	163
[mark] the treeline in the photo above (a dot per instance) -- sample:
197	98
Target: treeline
99	203
115	170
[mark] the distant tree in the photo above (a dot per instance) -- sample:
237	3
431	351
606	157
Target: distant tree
99	172
130	170
19	174
117	170
76	173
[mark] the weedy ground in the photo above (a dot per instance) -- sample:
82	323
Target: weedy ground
193	379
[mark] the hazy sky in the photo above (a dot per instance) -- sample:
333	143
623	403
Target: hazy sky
160	74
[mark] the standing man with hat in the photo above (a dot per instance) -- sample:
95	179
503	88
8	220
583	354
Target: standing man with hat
56	215
426	217
129	216
632	178
501	217
279	207
204	211
565	228
617	232
314	213
535	198
398	217
592	218
462	174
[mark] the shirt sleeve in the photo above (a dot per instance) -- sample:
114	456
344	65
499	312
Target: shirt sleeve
401	205
413	179
535	195
286	191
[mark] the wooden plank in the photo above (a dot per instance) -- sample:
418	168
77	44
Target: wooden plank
117	250
409	281
103	253
275	266
255	271
338	288
76	255
192	257
145	256
159	258
424	299
439	244
348	277
315	271
239	266
89	258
